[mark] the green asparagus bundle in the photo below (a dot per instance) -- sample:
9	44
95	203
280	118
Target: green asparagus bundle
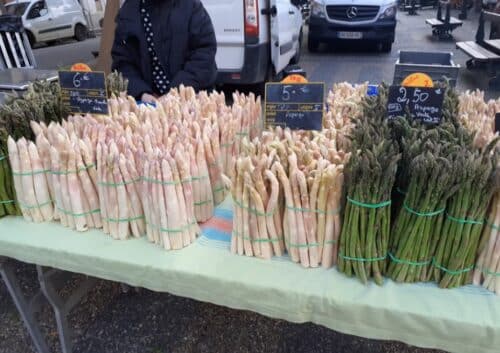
364	239
418	224
7	192
458	245
41	103
116	84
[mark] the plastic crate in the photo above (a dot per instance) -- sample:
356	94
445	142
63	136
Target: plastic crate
435	64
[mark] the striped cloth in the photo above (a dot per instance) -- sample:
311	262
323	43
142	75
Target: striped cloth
216	232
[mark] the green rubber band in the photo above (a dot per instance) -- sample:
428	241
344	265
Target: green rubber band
253	210
2	158
301	246
242	133
78	214
170	230
451	272
330	242
226	145
272	240
161	182
123	183
369	205
7	202
492	225
464	221
423	214
56	172
406	262
488	272
35	172
401	191
123	220
305	210
219	189
201	203
199	178
32	207
361	259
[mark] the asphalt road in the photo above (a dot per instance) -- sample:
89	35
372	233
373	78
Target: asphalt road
65	54
356	62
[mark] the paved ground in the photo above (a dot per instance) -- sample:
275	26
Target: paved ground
112	321
66	53
361	62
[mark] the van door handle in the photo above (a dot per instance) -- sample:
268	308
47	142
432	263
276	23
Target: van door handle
273	11
291	12
50	18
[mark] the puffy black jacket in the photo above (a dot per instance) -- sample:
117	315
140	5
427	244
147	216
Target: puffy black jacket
184	40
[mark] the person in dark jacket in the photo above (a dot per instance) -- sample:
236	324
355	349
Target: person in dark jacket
161	44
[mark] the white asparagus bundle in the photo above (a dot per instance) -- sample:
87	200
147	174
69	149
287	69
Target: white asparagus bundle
487	271
189	138
30	181
478	116
344	104
72	169
287	188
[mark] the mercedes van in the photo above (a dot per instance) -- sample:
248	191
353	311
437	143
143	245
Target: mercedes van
352	20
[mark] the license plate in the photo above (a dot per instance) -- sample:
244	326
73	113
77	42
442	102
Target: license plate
350	35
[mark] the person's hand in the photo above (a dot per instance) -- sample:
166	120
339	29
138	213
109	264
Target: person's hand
147	98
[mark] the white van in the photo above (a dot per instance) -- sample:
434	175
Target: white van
255	38
50	20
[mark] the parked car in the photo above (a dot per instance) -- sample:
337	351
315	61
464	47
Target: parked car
355	20
50	20
255	38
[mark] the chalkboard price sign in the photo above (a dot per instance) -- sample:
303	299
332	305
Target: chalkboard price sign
295	105
424	104
84	92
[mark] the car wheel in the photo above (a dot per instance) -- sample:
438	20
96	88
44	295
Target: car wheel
312	45
386	47
296	58
80	32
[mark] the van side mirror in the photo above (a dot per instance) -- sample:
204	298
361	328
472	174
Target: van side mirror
43	12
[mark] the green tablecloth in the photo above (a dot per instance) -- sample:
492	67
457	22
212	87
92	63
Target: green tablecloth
465	320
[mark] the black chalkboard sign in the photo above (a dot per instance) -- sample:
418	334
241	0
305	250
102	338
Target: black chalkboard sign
295	105
84	92
425	104
497	122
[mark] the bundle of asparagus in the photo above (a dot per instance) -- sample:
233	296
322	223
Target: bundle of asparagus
459	241
41	102
287	190
479	116
364	240
150	129
7	191
417	227
116	84
344	103
30	181
370	176
61	170
487	272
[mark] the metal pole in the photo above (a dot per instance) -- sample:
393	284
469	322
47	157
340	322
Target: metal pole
25	309
463	13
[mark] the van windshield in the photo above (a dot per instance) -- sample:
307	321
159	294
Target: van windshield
16	9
